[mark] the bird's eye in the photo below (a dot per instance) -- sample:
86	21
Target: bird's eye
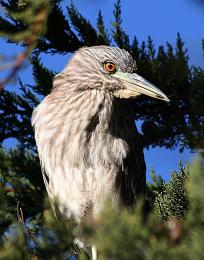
109	67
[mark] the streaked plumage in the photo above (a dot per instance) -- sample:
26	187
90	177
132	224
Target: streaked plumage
86	136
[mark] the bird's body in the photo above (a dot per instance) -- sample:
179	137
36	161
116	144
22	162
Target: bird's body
86	136
93	154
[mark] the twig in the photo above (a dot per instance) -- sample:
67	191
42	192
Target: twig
14	68
29	232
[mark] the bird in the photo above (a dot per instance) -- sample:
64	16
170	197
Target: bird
87	141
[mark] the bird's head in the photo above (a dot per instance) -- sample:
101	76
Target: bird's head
109	69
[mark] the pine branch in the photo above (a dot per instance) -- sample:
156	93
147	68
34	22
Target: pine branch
172	201
43	77
151	48
35	15
58	28
86	32
103	37
118	34
135	51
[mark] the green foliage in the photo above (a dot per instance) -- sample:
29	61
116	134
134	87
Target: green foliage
11	246
153	189
119	35
52	239
171	201
20	180
103	35
55	237
26	20
126	234
43	77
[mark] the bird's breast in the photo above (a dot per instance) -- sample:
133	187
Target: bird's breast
83	142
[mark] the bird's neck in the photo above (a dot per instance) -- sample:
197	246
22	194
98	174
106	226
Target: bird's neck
83	128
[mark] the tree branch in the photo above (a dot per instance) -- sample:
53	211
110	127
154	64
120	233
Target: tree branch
36	28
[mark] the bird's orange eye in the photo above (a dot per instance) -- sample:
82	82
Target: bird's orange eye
110	67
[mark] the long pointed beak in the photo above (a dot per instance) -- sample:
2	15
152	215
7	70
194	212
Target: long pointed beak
136	85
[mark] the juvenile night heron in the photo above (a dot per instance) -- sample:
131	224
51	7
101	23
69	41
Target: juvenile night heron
86	135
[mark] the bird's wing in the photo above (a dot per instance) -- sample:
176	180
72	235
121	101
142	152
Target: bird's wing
131	179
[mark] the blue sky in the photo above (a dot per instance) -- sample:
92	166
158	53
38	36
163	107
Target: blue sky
161	20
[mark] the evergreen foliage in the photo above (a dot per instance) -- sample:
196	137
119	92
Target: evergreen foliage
170	226
171	201
20	180
44	238
122	235
25	23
